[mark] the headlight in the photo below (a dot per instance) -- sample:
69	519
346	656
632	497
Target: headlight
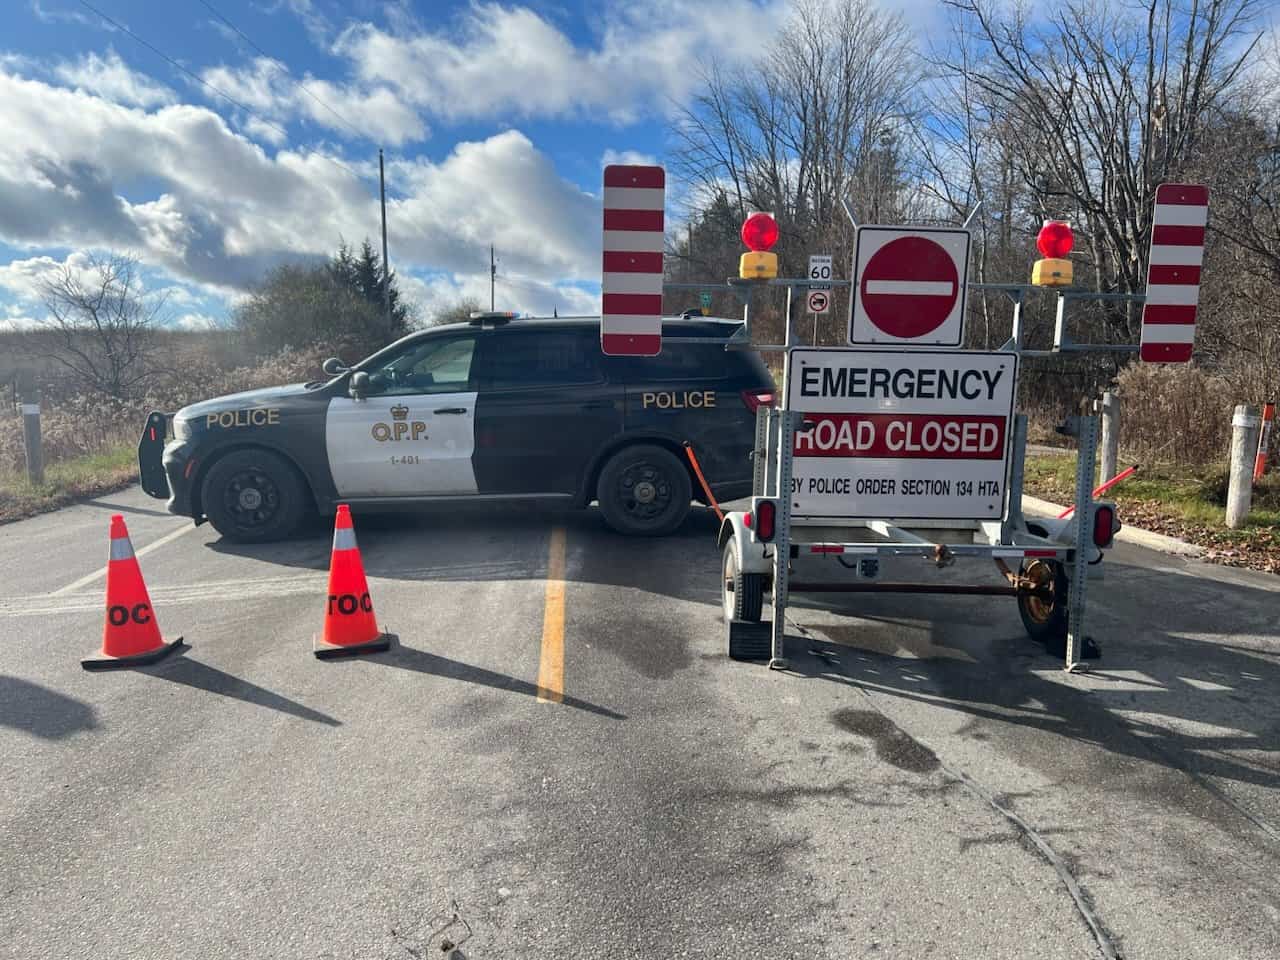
181	428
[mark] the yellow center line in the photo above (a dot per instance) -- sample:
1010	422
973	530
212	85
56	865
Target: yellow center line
551	665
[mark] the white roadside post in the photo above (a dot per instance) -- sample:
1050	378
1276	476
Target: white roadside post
1110	409
1245	426
29	396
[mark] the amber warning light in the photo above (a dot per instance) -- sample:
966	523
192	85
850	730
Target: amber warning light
1055	241
759	233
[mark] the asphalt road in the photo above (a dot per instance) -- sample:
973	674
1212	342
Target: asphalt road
924	783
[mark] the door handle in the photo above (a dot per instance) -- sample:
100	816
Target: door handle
598	405
451	410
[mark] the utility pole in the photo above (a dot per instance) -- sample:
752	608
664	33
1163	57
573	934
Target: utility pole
493	276
386	264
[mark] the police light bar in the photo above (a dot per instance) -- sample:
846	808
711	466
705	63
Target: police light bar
482	317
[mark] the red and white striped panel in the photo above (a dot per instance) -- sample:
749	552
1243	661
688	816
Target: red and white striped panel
1173	278
631	288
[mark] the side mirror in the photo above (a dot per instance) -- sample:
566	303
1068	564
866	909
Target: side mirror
359	385
333	367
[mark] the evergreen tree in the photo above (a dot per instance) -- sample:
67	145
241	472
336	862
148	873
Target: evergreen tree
363	275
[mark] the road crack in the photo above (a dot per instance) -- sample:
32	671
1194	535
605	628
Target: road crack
1081	899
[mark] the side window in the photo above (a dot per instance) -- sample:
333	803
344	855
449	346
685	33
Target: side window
677	361
433	365
515	359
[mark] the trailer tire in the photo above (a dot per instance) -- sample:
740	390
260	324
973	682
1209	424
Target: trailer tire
741	594
1046	621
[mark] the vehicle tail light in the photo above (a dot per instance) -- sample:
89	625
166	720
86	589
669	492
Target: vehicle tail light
1104	525
766	514
754	399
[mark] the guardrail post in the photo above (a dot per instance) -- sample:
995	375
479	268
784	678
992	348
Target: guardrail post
29	397
1245	426
1110	409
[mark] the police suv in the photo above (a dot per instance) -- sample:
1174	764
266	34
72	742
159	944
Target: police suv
495	409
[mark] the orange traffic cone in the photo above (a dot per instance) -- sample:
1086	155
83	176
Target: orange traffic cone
349	624
131	636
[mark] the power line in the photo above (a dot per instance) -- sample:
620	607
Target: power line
203	82
298	84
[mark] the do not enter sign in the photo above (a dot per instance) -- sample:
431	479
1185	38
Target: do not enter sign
909	286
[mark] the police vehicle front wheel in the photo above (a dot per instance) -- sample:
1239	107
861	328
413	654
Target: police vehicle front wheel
252	496
644	491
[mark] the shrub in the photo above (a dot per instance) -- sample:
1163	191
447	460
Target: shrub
1175	414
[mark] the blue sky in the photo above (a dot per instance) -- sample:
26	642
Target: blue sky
496	119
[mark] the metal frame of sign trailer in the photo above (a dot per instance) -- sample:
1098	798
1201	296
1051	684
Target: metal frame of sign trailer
1009	538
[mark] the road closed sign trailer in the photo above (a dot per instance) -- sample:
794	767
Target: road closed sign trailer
901	434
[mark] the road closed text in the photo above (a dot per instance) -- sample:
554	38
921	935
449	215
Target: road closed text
890	436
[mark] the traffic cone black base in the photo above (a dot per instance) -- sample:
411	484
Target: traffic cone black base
329	651
103	662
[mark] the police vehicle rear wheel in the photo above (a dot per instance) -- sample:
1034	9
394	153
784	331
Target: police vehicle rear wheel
645	491
253	496
1045	618
742	594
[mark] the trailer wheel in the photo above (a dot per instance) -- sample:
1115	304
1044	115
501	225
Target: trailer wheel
1045	619
741	594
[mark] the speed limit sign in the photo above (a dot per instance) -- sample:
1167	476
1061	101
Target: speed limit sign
819	297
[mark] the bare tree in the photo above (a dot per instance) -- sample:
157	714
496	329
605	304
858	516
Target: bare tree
1099	104
101	323
822	115
459	311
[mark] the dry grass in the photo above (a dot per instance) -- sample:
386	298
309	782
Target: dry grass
67	481
89	443
1188	504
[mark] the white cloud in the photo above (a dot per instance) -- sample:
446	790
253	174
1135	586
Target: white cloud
46	14
111	78
316	23
266	132
377	114
612	156
522	294
267	87
262	86
225	210
195	321
22	278
510	59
